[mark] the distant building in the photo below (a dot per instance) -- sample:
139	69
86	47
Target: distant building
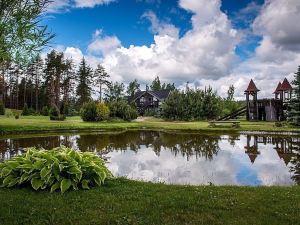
268	109
148	100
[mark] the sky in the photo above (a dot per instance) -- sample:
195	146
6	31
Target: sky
202	42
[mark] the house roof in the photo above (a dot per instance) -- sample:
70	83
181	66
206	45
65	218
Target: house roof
161	95
252	87
277	90
285	86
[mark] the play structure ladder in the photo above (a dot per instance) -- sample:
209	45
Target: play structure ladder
234	114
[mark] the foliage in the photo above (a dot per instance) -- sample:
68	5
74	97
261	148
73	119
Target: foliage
123	110
100	78
21	33
54	114
25	111
156	85
84	79
151	112
192	105
45	111
132	88
2	108
102	111
17	116
114	92
60	168
294	104
88	111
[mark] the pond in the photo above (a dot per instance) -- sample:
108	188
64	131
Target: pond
181	157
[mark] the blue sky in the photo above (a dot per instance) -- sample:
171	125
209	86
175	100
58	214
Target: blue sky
124	18
203	42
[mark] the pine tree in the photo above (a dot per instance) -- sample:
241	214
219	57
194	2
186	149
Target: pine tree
156	85
115	92
100	79
294	104
84	79
133	87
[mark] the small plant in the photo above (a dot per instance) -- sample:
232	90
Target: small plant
25	111
55	114
17	116
102	111
8	113
2	108
60	168
45	111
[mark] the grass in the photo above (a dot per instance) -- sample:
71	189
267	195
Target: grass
122	201
41	123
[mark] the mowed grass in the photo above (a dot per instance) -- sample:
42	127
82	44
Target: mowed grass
122	201
42	123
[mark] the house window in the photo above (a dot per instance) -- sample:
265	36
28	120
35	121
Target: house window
142	100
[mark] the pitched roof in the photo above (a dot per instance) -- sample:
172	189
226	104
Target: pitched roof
285	86
277	90
161	95
252	87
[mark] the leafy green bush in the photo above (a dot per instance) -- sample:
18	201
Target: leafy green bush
8	113
55	114
45	111
25	111
17	116
88	111
2	109
60	168
102	111
123	110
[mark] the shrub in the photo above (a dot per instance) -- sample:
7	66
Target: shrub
151	112
2	109
45	111
8	113
122	110
55	114
60	168
17	116
102	111
88	111
25	111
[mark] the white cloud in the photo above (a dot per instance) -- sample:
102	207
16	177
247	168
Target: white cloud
91	3
103	45
64	5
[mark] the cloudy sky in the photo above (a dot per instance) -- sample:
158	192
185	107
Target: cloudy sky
203	42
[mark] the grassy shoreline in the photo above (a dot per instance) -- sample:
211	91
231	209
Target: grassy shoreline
122	201
33	124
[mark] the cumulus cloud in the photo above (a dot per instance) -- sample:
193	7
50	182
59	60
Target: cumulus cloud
205	51
205	55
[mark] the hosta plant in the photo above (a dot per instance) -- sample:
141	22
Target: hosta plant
57	169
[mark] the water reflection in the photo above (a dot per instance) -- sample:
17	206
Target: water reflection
185	158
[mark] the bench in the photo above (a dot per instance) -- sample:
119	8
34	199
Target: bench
234	123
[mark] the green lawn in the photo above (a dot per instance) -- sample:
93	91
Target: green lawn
128	202
41	123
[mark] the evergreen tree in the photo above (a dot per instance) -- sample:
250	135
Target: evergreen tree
156	85
133	87
114	92
294	104
100	79
84	79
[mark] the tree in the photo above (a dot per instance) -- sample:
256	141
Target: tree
133	87
22	35
230	93
100	79
84	79
294	104
115	92
156	85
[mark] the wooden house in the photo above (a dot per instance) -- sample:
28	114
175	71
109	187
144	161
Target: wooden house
148	100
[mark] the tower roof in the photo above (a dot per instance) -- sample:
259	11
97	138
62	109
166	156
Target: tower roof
252	87
285	86
277	90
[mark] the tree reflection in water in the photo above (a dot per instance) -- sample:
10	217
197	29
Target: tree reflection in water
185	144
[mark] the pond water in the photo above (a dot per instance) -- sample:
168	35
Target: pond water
183	158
